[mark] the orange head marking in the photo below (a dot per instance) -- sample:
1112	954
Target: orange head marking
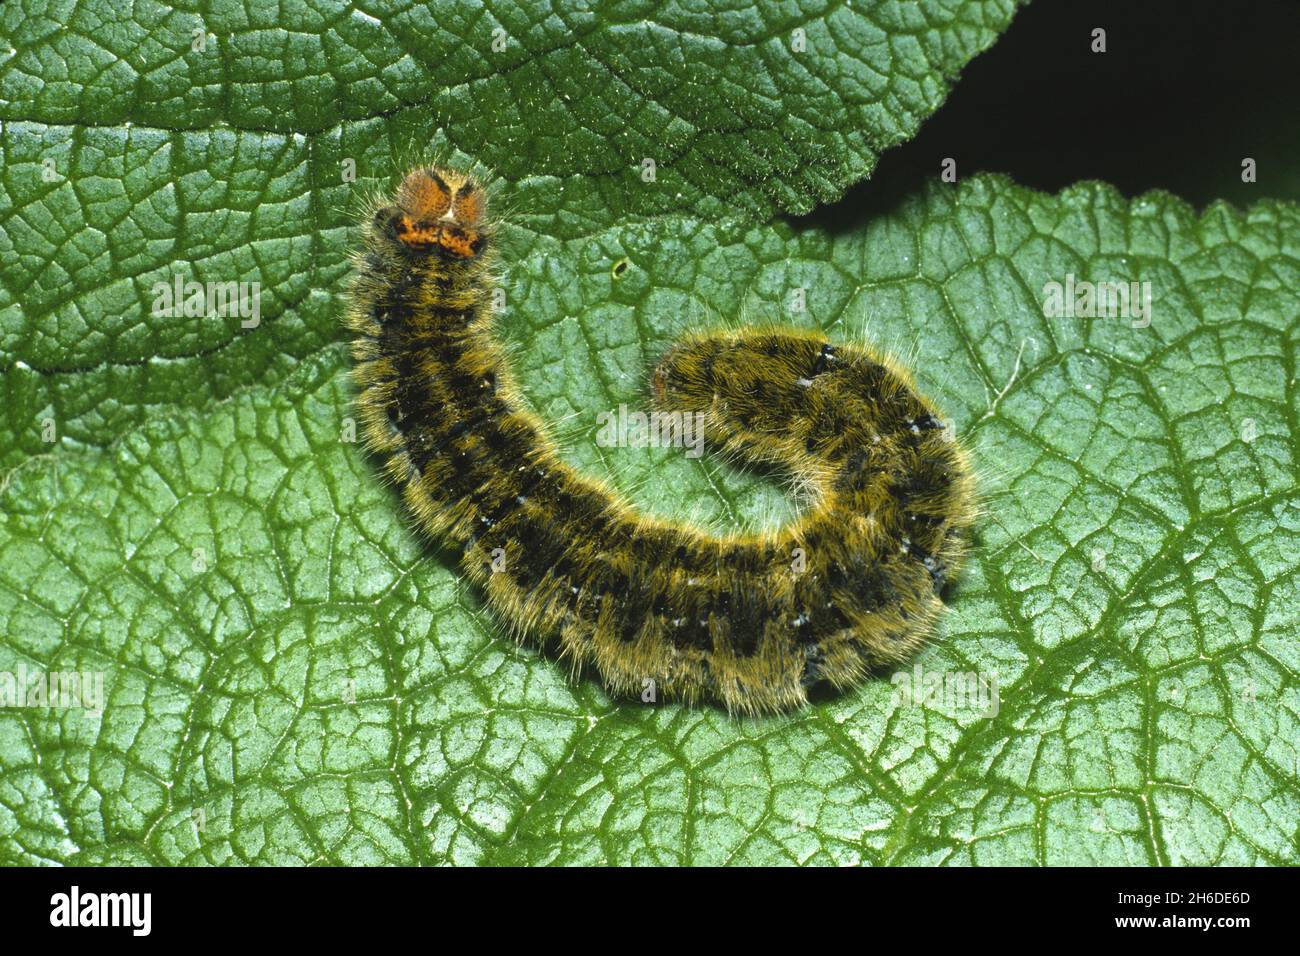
424	195
469	205
440	211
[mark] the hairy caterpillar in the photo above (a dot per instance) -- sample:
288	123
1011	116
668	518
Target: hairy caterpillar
752	620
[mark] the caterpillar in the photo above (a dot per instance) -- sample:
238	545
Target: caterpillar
751	621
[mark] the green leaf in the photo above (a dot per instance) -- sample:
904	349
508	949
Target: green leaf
239	572
773	104
291	677
129	156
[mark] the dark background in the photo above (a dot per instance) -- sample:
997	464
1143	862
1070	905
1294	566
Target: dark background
1185	91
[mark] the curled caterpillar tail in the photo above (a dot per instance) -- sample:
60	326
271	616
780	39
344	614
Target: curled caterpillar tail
750	621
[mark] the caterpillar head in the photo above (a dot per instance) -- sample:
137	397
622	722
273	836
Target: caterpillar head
437	212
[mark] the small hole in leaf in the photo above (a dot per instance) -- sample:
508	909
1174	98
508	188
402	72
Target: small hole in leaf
620	268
